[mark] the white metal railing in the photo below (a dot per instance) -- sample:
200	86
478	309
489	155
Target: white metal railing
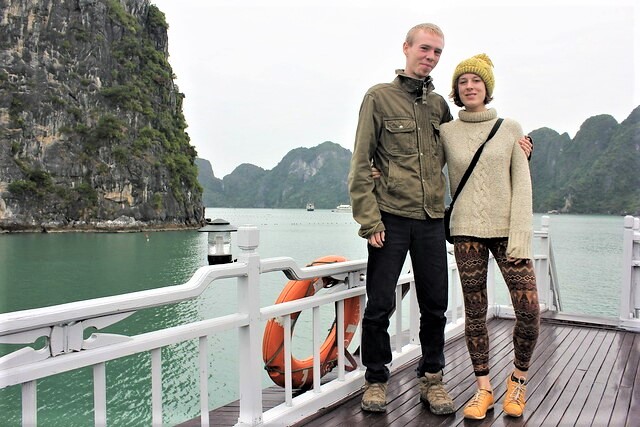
546	276
67	350
630	288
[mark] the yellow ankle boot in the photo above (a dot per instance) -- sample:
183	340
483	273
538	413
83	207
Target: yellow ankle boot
479	404
514	401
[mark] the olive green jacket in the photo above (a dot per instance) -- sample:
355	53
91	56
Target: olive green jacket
398	132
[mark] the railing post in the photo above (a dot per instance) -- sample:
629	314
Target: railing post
543	277
29	404
249	337
156	387
100	394
635	272
629	292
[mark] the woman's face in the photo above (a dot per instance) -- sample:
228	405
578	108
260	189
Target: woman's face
472	92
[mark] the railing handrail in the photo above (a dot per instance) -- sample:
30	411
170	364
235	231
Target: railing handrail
78	310
68	350
203	277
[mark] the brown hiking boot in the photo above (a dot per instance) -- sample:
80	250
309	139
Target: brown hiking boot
433	394
374	398
514	402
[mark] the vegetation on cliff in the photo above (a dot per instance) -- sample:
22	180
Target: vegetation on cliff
596	172
317	174
91	122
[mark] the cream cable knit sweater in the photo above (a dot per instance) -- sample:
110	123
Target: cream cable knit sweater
496	201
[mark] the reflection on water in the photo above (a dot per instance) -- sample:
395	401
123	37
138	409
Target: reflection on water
39	270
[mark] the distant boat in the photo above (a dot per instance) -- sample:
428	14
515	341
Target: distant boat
310	206
342	208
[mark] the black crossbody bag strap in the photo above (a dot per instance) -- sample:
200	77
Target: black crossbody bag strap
476	156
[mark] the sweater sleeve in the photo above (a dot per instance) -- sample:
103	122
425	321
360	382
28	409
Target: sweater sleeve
361	186
520	227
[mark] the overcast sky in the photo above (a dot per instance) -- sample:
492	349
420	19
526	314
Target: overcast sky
261	78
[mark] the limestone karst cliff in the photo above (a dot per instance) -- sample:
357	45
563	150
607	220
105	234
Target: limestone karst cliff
92	134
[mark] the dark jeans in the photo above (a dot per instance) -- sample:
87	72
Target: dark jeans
424	240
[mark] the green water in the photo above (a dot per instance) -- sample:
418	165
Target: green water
38	270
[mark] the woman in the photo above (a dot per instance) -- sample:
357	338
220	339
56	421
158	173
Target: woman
493	213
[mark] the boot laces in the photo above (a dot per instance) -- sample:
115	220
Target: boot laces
437	390
476	400
517	394
376	391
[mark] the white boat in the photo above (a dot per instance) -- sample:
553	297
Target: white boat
310	206
342	208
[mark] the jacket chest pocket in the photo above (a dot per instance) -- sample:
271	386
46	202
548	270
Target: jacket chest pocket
400	136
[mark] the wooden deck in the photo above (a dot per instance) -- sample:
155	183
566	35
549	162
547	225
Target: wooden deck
580	376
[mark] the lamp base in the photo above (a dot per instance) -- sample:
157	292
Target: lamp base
219	259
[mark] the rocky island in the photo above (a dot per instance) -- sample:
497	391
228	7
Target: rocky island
92	134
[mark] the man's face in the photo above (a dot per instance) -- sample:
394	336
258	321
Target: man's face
423	54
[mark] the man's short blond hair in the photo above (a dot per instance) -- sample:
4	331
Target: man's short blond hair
432	28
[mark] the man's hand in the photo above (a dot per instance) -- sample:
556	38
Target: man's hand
375	173
376	239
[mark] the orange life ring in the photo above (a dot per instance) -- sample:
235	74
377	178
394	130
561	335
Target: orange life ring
273	338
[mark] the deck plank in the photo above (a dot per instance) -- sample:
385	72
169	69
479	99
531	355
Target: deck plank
580	375
557	378
612	379
634	409
602	363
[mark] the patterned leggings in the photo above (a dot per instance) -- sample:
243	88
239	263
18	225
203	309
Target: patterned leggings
472	255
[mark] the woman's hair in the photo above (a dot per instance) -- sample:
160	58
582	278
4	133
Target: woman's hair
432	28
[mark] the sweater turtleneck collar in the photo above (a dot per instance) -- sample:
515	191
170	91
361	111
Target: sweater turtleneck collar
482	116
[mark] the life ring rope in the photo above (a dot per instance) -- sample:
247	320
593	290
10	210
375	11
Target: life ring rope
332	363
273	339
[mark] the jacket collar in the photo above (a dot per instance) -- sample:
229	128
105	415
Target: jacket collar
418	87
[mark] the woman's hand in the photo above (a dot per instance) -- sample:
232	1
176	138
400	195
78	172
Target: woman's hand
375	173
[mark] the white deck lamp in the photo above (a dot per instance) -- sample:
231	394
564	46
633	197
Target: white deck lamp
219	240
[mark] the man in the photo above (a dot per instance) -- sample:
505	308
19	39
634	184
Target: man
402	211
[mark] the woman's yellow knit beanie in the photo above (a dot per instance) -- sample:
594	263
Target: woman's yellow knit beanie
480	65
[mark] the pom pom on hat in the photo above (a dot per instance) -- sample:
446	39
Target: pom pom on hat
480	65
